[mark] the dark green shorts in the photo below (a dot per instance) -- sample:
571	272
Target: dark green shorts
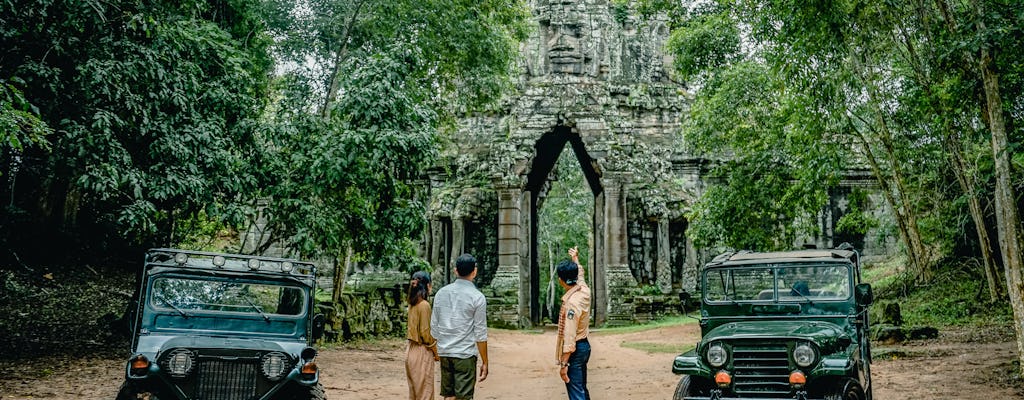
458	377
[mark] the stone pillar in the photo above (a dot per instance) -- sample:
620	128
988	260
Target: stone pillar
663	274
507	307
458	239
691	269
618	279
435	244
435	241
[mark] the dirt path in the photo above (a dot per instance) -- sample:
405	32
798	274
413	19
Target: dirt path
623	366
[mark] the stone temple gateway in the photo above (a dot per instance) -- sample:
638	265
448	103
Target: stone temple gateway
593	78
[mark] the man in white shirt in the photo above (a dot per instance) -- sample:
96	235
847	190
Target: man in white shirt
459	323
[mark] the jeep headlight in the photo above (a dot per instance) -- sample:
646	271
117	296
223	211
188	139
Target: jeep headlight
179	363
717	356
803	355
275	365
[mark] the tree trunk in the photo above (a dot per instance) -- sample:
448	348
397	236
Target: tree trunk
551	285
970	188
339	58
341	271
962	170
1007	219
915	246
883	183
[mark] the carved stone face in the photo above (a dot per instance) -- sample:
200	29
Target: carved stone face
565	52
563	32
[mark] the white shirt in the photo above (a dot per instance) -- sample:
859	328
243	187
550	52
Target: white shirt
459	319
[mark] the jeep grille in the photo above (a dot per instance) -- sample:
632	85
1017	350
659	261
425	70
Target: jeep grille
761	371
227	380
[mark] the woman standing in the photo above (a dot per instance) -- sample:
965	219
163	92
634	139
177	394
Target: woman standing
422	350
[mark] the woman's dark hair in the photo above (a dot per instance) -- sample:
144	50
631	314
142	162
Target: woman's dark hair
418	287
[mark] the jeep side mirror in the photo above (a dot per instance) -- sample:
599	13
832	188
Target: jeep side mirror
864	295
319	323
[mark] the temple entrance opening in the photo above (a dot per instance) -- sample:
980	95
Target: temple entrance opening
563	183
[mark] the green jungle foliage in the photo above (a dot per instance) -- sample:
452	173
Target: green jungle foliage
366	90
128	125
790	96
152	106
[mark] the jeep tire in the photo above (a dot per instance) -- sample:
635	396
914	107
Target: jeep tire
845	389
689	387
315	392
130	391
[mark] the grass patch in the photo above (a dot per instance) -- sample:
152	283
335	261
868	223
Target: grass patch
651	347
659	323
957	296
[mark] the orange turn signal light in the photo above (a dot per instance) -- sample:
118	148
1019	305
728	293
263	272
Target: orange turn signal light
722	378
797	378
140	362
309	368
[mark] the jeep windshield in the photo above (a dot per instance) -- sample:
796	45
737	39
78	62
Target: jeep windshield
189	296
778	282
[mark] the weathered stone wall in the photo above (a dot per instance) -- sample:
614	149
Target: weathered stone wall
373	304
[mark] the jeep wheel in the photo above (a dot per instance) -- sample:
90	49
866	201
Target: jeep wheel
315	392
845	389
133	392
692	387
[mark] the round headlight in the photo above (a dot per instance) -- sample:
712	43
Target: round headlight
275	364
803	355
717	356
181	258
254	264
179	363
219	261
287	266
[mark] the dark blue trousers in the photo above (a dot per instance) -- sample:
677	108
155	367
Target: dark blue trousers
577	371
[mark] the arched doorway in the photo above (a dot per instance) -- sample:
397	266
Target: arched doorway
549	148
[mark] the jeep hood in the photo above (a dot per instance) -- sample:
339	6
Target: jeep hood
825	334
155	344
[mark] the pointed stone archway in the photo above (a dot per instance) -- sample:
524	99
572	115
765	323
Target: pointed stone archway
518	223
548	149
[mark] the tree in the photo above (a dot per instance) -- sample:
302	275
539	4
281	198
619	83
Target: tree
372	86
917	84
153	105
775	162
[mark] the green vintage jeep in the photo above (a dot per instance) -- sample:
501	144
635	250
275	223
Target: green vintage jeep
784	325
217	326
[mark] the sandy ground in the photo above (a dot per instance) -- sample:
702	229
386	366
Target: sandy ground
522	367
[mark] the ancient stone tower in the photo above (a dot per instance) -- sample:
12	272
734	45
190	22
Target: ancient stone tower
593	77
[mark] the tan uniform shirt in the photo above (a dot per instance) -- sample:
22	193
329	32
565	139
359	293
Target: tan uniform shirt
419	324
573	319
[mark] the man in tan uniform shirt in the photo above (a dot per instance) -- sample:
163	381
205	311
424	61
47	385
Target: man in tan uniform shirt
573	348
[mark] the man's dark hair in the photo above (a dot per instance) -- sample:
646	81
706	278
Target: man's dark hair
568	271
465	264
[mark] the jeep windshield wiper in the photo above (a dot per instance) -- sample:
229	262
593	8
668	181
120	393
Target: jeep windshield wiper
171	305
257	308
800	293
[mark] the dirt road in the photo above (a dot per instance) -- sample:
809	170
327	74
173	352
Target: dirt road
624	366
